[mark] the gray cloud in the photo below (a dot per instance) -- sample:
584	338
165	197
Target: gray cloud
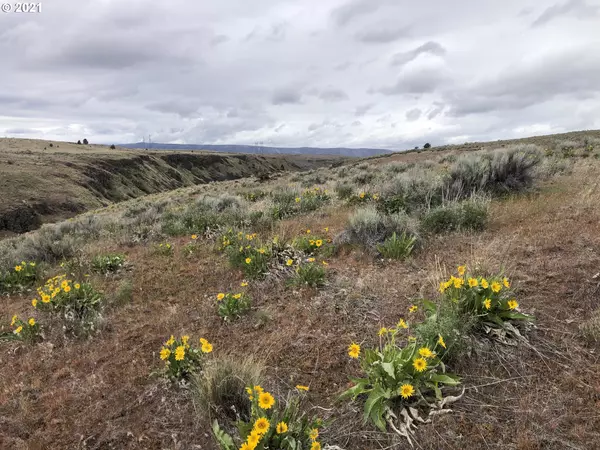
332	94
429	47
378	35
576	8
356	8
416	82
413	114
286	96
219	39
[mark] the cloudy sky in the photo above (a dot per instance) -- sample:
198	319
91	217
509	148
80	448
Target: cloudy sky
356	73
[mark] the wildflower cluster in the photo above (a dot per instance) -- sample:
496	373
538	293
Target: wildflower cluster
164	248
309	200
77	304
254	196
309	273
232	306
28	330
245	252
191	247
22	276
398	375
312	244
490	299
363	197
181	358
273	425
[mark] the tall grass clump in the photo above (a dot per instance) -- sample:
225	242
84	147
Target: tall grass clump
411	191
397	247
220	389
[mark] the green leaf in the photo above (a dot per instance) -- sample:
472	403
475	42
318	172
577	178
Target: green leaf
429	306
225	441
359	388
375	397
389	369
445	378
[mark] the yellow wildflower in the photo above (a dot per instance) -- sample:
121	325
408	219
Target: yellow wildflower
326	229
220	296
206	347
297	199
67	288
302	388
413	308
248	260
34	302
18	268
261	426
496	287
253	439
461	270
266	400
512	304
171	341
425	352
443	287
244	284
307	231
237	296
487	303
281	428
406	390
505	282
318	242
311	260
315	446
77	286
402	324
246	446
180	353
354	350
473	282
165	353
18	330
313	434
458	282
420	364
361	195
441	341
383	331
289	262
325	263
31	322
484	283
194	237
185	339
14	320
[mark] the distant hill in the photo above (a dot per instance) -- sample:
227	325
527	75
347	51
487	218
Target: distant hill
253	149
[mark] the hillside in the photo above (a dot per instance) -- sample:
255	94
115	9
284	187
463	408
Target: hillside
253	149
458	287
42	181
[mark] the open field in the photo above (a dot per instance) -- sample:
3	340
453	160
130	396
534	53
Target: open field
43	181
528	212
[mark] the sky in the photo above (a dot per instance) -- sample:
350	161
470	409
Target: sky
326	73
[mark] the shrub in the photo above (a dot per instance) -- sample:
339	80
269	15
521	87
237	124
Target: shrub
124	293
108	263
272	424
77	305
28	331
498	173
183	359
85	142
396	247
467	215
412	191
363	178
309	273
344	190
368	227
396	376
112	147
427	145
363	198
220	388
19	278
232	306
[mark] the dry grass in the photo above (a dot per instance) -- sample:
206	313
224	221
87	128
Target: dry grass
98	393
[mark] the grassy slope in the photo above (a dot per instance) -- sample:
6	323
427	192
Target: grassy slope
99	391
39	183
